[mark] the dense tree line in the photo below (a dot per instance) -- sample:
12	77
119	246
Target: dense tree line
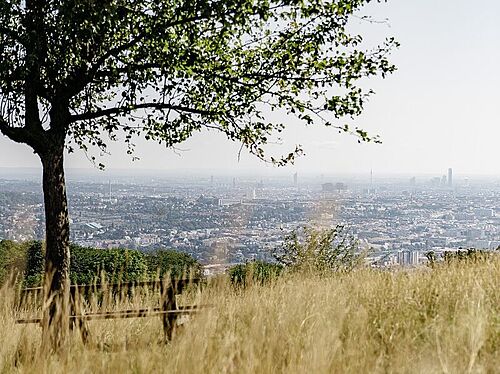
26	261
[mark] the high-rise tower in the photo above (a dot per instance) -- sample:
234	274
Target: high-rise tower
450	177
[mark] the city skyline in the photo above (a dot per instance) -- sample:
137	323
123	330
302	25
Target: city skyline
234	220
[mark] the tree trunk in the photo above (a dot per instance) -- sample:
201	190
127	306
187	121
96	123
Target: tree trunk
57	254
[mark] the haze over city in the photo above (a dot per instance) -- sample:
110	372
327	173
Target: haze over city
438	110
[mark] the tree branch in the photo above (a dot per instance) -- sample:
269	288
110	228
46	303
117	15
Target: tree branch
17	134
85	76
131	108
37	140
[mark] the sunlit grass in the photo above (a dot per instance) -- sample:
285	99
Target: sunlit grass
445	320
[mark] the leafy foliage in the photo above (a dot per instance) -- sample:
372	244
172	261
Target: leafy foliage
173	263
320	251
166	69
35	261
431	258
468	255
259	272
12	259
461	255
89	265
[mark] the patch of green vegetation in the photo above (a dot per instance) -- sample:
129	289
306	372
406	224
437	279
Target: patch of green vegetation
255	272
12	259
94	265
178	264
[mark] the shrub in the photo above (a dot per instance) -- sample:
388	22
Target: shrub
431	258
320	251
255	271
12	259
35	260
470	254
177	264
117	265
89	265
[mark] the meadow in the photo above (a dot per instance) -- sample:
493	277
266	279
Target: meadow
441	320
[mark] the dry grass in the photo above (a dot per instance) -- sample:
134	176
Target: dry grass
441	321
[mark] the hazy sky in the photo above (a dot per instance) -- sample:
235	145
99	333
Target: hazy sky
439	110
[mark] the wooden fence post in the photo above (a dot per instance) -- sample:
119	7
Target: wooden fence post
168	302
77	310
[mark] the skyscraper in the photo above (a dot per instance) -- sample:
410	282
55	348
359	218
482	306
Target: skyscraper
450	177
295	179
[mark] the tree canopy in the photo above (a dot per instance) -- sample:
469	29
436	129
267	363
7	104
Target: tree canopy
165	69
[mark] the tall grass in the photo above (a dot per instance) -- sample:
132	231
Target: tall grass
445	320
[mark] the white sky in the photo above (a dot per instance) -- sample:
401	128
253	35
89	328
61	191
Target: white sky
439	110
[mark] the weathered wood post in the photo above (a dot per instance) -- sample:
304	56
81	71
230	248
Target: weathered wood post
76	310
168	302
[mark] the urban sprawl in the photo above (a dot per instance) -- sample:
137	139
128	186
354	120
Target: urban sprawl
225	220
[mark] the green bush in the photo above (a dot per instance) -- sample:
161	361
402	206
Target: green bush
259	272
88	265
177	264
320	251
471	254
35	262
12	259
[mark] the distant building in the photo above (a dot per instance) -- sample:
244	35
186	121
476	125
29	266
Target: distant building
295	179
405	258
340	186
251	195
327	187
450	177
435	181
227	202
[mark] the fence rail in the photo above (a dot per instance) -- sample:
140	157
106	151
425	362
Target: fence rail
121	285
168	310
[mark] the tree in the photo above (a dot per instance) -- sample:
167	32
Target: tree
117	265
34	264
173	263
79	72
88	265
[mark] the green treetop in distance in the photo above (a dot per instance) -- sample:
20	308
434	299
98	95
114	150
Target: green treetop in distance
78	72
